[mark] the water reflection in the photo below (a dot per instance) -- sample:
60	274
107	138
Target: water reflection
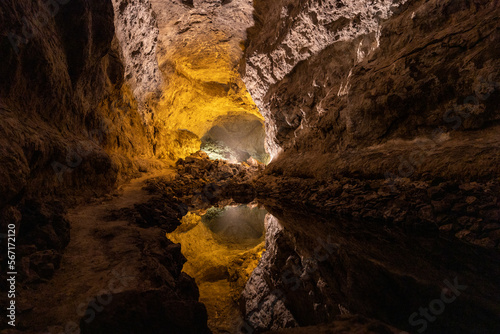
236	224
316	268
222	246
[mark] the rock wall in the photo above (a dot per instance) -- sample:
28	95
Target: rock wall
199	51
69	124
398	125
137	31
374	79
290	32
64	102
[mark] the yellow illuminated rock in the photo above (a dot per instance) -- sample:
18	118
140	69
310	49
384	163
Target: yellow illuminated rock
202	83
220	267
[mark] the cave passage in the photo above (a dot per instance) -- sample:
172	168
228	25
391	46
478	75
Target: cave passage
236	138
250	166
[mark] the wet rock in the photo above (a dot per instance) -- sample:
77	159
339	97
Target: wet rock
409	205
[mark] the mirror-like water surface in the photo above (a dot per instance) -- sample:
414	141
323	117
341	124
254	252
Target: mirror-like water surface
223	246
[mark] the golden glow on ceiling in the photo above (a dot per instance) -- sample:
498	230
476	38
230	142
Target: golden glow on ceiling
202	84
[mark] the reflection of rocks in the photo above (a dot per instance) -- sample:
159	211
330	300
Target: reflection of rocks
263	304
315	269
235	224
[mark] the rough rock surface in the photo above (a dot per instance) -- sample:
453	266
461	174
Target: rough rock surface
69	125
200	181
430	73
137	32
466	210
199	52
402	101
289	32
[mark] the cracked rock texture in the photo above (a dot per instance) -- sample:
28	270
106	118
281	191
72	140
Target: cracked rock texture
398	108
359	79
137	32
290	32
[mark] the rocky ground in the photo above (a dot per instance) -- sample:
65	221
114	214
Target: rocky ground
200	181
112	271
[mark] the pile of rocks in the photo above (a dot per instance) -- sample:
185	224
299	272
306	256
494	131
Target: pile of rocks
200	181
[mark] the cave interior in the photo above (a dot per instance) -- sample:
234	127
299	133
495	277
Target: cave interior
250	166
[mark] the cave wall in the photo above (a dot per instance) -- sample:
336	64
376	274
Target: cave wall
137	32
377	85
63	100
69	124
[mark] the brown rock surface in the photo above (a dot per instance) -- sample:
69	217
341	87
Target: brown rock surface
112	272
420	97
